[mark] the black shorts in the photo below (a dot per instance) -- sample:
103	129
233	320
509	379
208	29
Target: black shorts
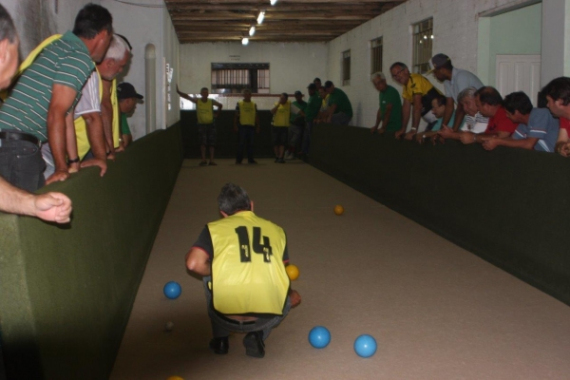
279	135
207	134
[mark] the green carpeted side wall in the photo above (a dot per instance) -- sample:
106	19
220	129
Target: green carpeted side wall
509	206
67	291
227	139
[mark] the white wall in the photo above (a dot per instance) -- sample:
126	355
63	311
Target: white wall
455	24
292	66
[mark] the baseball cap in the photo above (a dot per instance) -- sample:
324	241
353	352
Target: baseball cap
437	61
126	90
298	93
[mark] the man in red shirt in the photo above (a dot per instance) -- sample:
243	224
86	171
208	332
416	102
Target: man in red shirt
557	94
489	102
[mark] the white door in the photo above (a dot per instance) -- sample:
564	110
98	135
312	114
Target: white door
518	73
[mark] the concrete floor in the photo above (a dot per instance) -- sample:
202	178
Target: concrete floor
436	310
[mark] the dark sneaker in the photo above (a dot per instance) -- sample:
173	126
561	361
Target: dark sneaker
212	163
238	162
253	343
220	346
281	161
252	162
276	159
203	163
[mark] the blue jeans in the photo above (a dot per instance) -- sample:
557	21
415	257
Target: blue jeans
222	326
246	135
21	164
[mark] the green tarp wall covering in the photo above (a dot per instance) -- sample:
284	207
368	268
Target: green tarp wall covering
66	292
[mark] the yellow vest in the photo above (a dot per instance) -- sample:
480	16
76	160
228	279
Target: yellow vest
83	144
116	119
248	274
30	59
205	111
246	113
283	114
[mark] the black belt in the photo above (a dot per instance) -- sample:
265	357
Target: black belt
19	136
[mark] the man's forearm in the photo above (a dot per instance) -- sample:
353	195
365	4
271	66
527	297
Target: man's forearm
96	135
15	200
527	143
107	121
448	111
56	137
386	118
406	109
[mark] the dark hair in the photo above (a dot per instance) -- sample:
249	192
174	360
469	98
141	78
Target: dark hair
312	86
447	65
7	28
91	20
317	79
399	64
489	95
233	198
286	95
441	99
558	88
329	84
518	101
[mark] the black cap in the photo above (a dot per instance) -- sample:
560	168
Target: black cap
298	93
126	90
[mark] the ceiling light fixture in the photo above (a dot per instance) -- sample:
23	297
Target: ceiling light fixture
273	2
245	41
260	17
252	30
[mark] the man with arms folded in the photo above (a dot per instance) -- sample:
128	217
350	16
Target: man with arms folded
390	109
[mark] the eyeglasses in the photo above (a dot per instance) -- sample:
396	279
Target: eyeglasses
398	73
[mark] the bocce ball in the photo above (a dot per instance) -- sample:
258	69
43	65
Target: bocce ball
365	346
169	326
338	209
319	337
172	290
175	378
292	272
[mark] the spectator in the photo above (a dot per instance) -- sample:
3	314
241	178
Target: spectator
489	103
53	207
296	125
418	93
473	121
250	298
537	128
557	94
318	83
390	109
206	122
50	90
128	99
246	123
311	113
281	115
454	80
438	108
339	110
322	115
115	61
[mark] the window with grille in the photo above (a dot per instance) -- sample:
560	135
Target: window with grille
423	41
235	77
346	68
376	55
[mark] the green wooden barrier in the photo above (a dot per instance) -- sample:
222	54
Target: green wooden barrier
509	206
67	291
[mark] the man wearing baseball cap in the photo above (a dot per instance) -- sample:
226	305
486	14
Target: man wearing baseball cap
454	81
128	99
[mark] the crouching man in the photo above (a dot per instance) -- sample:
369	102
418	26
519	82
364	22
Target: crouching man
242	259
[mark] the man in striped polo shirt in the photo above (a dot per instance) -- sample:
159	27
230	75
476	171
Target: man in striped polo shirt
43	99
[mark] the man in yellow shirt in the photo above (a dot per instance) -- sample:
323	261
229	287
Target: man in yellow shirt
418	93
242	259
206	122
246	124
281	115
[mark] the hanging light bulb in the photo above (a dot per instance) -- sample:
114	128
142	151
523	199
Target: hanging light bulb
245	41
273	2
260	17
252	30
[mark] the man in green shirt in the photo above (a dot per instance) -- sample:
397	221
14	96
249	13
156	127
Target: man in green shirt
296	125
311	112
339	109
128	99
390	111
